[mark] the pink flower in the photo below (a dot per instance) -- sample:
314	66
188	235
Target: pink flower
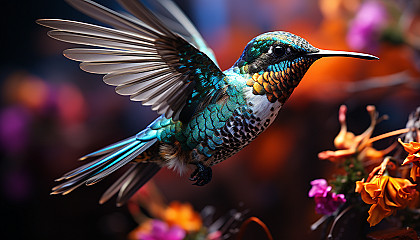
366	26
158	230
319	188
326	201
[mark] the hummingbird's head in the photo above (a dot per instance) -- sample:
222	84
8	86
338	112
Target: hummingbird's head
277	61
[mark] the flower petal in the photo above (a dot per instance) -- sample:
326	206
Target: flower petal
376	214
415	172
411	148
319	187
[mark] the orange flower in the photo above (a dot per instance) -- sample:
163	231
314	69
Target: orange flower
413	149
387	195
349	144
182	215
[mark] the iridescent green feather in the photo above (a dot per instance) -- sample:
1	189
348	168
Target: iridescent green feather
206	79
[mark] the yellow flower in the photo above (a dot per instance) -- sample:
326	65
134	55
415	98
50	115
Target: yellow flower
182	215
387	195
413	149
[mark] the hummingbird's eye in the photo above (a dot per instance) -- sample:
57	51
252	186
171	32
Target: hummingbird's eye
278	51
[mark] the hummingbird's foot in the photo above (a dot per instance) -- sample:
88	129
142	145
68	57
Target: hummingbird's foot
201	175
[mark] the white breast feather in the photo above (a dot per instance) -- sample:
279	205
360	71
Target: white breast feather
261	107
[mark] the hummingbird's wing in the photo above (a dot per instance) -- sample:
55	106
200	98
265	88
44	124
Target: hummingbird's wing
141	56
173	18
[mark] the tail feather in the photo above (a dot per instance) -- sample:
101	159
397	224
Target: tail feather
111	158
111	191
142	174
130	182
102	162
89	167
109	148
121	161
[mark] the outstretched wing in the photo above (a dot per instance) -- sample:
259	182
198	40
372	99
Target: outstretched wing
173	17
142	57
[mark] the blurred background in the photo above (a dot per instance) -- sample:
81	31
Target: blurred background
52	113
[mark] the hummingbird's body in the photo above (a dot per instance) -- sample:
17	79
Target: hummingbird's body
207	115
221	129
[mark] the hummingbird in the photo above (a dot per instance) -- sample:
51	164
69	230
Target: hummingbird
157	56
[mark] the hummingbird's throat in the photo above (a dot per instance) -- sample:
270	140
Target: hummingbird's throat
279	81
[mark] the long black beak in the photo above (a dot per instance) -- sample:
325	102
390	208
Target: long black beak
330	53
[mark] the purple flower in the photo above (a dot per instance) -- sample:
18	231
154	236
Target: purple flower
328	204
365	27
326	201
319	187
159	230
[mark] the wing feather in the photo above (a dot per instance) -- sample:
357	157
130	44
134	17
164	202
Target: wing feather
104	55
99	41
106	67
151	89
122	79
161	93
112	18
95	30
141	56
174	18
143	83
138	10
